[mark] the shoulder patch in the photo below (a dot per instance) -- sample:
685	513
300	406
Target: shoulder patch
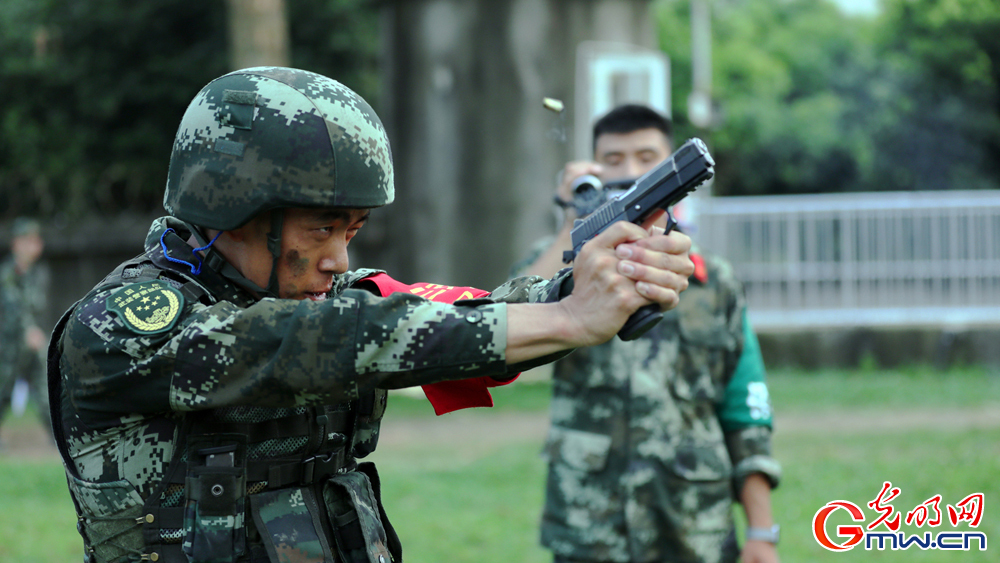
149	307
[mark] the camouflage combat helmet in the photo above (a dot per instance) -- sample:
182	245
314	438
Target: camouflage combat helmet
25	226
269	137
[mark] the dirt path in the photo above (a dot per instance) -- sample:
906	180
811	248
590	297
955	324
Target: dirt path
488	430
472	426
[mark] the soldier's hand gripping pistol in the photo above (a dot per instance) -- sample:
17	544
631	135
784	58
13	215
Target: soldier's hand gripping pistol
659	188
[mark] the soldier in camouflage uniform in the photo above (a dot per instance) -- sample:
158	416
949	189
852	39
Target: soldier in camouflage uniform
213	394
652	440
24	283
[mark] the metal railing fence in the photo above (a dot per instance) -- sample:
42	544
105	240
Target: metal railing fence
861	259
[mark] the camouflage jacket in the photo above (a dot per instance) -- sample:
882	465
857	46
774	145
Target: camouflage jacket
189	409
22	305
650	438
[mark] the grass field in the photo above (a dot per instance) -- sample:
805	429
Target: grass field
468	487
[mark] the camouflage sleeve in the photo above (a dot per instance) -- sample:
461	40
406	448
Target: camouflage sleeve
750	452
38	293
276	352
10	322
534	289
745	415
744	411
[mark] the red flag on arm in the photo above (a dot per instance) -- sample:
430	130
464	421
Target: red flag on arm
445	396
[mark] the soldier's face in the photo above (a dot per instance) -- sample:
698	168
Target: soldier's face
314	249
630	155
27	248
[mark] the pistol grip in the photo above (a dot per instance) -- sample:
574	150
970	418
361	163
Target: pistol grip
640	321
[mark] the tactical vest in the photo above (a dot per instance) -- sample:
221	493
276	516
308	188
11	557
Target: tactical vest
292	471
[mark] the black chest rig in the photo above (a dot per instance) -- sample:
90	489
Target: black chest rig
243	479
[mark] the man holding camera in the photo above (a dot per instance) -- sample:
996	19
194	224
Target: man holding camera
652	440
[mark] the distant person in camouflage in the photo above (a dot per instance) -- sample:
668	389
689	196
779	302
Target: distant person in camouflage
214	393
24	283
652	440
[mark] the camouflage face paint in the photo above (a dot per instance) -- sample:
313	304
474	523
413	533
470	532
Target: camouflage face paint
314	249
291	268
295	263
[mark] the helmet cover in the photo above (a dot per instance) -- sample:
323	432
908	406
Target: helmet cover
25	226
270	137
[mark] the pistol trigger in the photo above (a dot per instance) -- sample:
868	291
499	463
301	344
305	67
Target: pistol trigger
671	223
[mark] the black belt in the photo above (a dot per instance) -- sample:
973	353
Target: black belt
301	472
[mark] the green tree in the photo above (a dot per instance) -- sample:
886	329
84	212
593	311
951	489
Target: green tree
787	76
88	123
93	92
816	101
945	58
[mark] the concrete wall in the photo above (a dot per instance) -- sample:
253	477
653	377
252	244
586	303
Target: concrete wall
885	347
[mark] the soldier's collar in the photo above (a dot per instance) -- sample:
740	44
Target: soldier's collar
214	267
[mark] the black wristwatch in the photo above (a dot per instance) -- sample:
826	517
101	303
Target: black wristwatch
770	535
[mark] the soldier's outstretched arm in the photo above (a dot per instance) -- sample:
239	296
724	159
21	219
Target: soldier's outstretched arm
620	270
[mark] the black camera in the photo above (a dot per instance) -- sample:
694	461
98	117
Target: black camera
589	193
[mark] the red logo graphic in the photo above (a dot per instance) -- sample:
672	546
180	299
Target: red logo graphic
972	510
921	513
856	533
969	510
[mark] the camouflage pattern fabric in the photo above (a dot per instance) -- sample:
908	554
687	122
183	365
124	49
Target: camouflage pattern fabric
288	527
135	366
22	305
268	137
360	537
650	438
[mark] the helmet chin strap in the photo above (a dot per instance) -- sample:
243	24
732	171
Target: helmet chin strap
216	261
274	245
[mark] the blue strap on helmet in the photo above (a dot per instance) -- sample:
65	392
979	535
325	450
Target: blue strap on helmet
194	270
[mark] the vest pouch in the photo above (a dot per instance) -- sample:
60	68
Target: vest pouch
289	525
214	513
107	512
354	516
371	408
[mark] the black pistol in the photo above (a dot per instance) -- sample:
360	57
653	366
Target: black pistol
659	188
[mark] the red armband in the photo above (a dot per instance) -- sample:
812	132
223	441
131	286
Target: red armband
445	396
